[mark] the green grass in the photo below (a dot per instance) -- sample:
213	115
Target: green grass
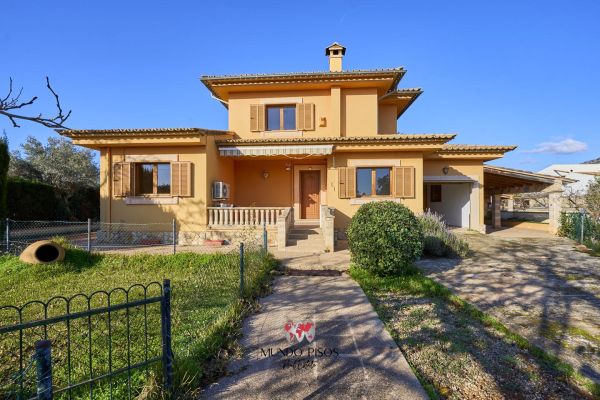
417	284
206	313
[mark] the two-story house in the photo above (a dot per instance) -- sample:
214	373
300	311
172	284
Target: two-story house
300	148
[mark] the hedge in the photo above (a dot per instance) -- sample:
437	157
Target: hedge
29	200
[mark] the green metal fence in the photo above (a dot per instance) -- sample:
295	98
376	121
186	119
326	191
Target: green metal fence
81	345
107	344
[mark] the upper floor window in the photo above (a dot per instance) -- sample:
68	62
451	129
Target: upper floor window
153	178
281	118
373	182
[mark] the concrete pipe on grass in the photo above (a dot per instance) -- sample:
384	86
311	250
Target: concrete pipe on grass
43	252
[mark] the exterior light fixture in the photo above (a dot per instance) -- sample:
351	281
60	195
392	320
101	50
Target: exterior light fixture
265	174
445	170
288	166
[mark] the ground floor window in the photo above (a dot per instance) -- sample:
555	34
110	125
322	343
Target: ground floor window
152	178
373	182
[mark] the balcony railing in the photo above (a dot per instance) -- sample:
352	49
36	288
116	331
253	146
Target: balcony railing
235	217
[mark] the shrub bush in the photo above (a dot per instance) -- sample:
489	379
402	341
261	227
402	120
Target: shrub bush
385	237
438	239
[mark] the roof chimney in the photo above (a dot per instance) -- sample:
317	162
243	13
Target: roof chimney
335	52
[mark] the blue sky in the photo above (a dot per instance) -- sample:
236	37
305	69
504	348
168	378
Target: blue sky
509	72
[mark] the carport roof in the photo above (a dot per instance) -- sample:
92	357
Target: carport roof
501	180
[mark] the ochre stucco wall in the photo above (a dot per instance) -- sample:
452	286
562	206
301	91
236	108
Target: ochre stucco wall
355	114
345	208
190	212
252	189
359	112
218	169
239	110
387	119
470	168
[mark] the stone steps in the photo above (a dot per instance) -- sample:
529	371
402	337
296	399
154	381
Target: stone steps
307	239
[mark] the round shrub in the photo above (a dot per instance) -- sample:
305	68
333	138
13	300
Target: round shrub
385	237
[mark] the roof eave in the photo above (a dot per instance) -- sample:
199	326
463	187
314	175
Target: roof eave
209	81
392	139
149	132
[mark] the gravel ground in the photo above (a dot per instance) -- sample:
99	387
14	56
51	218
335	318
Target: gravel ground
541	288
461	358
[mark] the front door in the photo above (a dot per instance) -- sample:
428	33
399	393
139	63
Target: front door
310	182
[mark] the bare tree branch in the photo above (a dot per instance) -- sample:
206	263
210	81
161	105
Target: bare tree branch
11	102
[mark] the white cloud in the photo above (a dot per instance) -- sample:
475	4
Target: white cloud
566	146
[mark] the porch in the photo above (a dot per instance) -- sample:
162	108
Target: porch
279	223
275	187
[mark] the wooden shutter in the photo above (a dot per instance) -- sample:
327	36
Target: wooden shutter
342	194
309	117
346	182
257	117
122	179
305	117
181	178
300	117
351	182
404	181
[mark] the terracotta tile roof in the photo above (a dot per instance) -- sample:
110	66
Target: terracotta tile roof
399	138
140	132
213	81
310	74
399	94
475	147
402	91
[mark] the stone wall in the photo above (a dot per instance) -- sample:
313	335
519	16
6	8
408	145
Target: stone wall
535	216
250	237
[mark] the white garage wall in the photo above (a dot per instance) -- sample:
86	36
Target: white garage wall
455	206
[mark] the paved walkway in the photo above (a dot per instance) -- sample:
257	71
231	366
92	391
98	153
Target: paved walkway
356	358
538	286
338	260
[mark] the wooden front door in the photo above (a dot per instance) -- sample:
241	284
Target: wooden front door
310	201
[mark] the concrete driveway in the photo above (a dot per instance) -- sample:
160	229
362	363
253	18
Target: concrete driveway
538	285
351	357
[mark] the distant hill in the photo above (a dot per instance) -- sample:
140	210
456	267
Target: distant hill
595	161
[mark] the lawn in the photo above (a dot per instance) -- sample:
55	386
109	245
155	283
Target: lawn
206	311
458	351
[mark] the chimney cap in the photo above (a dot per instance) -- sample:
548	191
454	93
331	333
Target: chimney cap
335	46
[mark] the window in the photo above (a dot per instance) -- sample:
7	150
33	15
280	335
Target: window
373	182
281	118
435	193
152	178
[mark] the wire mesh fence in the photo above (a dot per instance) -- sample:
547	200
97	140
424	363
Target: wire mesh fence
128	238
581	227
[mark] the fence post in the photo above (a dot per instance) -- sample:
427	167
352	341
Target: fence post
582	215
7	235
265	239
167	350
241	269
43	360
89	237
174	237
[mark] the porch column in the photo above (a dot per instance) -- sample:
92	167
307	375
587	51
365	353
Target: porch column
496	212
